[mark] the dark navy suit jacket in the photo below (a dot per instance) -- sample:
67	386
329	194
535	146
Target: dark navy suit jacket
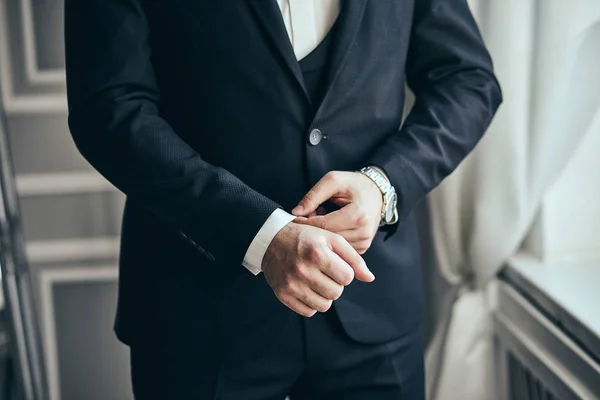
197	111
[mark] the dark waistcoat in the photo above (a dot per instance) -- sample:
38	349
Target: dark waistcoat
314	68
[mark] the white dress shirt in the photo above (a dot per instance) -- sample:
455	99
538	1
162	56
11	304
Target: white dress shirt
307	23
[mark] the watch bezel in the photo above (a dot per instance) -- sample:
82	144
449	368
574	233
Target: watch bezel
392	201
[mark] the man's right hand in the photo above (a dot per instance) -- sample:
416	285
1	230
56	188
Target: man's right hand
308	267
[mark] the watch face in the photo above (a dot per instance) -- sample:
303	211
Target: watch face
391	207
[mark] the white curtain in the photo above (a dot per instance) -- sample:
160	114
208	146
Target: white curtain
547	58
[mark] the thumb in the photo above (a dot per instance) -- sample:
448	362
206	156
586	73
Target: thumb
363	273
323	190
347	253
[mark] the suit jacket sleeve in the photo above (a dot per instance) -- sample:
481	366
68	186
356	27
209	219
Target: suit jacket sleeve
456	95
114	120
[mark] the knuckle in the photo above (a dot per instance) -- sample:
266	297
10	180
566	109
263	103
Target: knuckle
359	262
279	290
325	306
287	286
309	195
301	310
286	300
281	296
336	239
362	219
332	177
302	271
296	268
303	297
337	293
324	239
315	254
347	277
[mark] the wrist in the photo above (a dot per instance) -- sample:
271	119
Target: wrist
377	193
256	252
280	240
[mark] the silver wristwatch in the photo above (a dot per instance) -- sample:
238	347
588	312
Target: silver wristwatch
389	209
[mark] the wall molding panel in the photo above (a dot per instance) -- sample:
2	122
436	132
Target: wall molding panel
73	250
47	279
62	183
35	76
52	98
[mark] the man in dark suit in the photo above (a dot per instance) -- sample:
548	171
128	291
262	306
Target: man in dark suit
269	182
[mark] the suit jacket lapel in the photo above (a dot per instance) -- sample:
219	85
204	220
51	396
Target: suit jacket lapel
268	14
347	27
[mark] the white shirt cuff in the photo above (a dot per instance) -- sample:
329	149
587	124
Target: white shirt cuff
255	253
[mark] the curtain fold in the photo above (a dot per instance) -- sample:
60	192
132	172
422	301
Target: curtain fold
547	58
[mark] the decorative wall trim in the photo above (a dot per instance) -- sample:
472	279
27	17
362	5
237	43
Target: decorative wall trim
15	103
35	76
47	279
5	67
33	104
73	250
62	183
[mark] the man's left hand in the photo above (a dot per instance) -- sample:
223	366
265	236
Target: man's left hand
360	214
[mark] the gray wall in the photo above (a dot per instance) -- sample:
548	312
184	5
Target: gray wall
71	216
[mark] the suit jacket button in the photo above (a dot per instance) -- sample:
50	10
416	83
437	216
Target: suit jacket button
315	137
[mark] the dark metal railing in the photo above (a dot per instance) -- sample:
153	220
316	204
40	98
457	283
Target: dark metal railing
22	321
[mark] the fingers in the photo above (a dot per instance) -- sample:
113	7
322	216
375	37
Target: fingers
359	239
325	273
311	287
345	218
320	211
297	306
322	265
343	249
361	247
306	301
355	235
338	270
330	185
327	287
314	300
